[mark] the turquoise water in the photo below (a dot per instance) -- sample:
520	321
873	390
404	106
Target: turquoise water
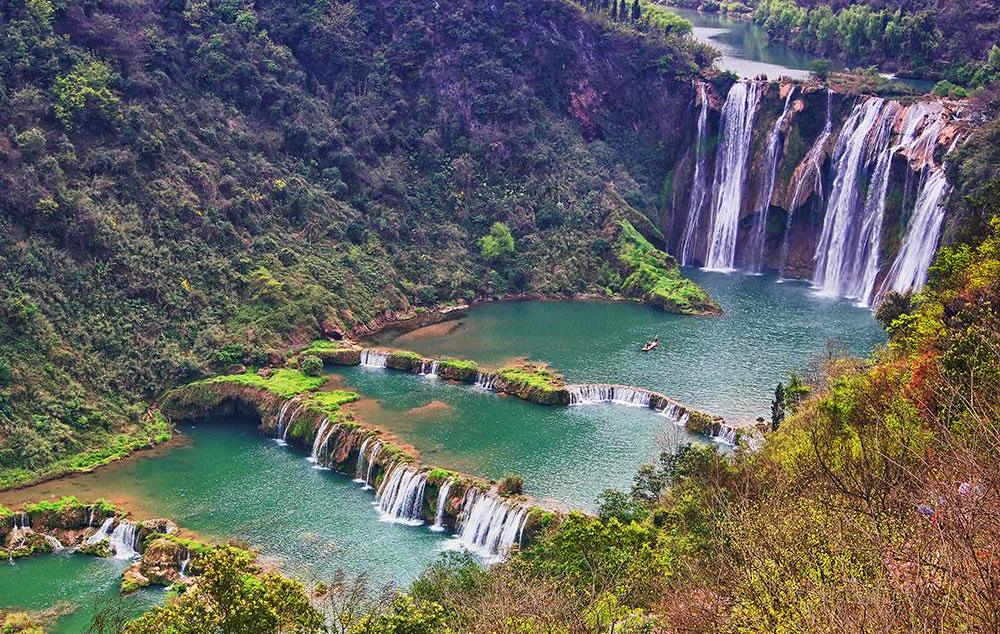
227	482
75	585
568	454
727	365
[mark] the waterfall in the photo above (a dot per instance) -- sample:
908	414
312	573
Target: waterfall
485	380
318	441
441	504
772	158
811	168
909	269
698	181
591	393
369	451
491	527
849	229
730	172
673	411
374	358
874	213
102	532
401	496
24	523
287	426
282	429
726	436
123	540
90	517
184	565
429	368
55	543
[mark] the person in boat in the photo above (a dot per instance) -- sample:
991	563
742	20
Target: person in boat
651	344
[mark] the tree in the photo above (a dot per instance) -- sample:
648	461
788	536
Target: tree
614	9
229	597
778	407
821	68
623	11
84	94
311	365
636	11
498	243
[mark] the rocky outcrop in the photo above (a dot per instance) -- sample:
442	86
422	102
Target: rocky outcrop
407	319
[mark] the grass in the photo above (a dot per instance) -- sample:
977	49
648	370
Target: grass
405	354
655	277
320	346
459	364
538	377
285	382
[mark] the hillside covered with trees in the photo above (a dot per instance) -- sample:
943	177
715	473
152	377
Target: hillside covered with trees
188	186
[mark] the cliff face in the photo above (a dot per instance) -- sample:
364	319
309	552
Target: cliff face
822	172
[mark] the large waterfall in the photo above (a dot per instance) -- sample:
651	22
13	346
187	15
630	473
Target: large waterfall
698	185
849	234
491	526
909	270
772	159
401	496
736	130
843	233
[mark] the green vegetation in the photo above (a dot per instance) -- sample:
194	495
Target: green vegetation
311	366
459	364
534	376
497	244
917	38
654	276
285	382
438	476
191	188
510	484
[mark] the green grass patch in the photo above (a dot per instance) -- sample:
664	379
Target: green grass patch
286	382
459	364
538	377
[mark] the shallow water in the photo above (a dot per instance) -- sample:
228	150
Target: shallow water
79	583
727	365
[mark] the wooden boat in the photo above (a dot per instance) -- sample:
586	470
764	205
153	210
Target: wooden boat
651	345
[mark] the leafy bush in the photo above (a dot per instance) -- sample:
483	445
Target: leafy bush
511	484
498	243
311	365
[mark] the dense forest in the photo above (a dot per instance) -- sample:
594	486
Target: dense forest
192	186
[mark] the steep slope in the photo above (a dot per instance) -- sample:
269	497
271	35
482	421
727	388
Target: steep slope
189	185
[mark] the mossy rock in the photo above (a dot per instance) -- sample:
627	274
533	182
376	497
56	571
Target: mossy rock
534	383
133	579
404	360
460	370
100	549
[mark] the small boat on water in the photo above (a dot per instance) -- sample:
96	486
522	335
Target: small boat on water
651	345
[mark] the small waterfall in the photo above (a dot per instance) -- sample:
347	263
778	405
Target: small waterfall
55	543
909	269
184	565
491	527
730	172
124	539
90	517
429	368
772	158
673	411
102	532
698	185
367	454
291	419
726	436
442	502
374	358
810	170
401	496
486	381
21	521
282	429
849	234
318	441
591	393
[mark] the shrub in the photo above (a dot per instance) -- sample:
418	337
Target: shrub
6	373
511	484
84	94
311	365
498	243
